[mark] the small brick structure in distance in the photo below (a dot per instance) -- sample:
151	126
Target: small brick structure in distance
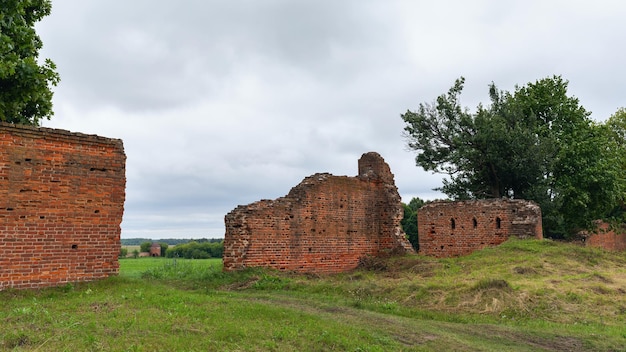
324	225
155	249
606	237
450	229
61	205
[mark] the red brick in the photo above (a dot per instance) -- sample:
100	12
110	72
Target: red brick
56	187
325	224
606	237
450	229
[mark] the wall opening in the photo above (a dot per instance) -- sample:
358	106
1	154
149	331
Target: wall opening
497	222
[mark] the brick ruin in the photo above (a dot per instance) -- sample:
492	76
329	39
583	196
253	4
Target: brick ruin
324	225
61	204
450	229
155	250
606	236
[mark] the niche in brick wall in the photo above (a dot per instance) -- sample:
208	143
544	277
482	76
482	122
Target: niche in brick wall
448	229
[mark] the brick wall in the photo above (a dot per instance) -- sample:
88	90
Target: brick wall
155	250
324	225
606	237
449	229
61	205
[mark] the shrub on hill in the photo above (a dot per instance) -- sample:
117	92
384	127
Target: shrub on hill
195	250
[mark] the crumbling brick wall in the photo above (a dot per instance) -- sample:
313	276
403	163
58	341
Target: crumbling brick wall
606	237
449	229
324	225
61	205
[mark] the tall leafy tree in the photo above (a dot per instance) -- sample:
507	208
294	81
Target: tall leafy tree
25	83
535	143
615	128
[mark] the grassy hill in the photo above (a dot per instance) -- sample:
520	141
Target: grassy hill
521	296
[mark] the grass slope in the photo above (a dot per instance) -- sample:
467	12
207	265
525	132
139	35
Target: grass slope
521	296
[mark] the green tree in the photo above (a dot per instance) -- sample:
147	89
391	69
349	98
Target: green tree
145	246
409	221
536	143
216	249
615	127
135	253
164	247
409	225
25	84
197	250
123	252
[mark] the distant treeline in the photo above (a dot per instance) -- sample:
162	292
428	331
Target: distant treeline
196	250
169	241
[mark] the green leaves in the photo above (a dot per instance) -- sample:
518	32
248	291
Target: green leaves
409	221
535	143
25	84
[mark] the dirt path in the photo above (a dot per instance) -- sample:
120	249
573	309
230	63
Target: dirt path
426	335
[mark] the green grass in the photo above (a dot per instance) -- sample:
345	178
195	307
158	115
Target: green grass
521	296
136	267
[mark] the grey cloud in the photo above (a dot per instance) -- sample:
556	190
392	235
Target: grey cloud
222	103
157	54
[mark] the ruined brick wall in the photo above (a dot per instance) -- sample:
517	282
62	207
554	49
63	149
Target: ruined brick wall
606	237
61	205
324	225
449	229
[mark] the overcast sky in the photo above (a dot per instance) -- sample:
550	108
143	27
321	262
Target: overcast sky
223	103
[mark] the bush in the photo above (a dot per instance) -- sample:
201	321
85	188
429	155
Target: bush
195	250
145	246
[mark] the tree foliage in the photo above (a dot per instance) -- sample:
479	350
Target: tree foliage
535	143
145	246
615	128
25	94
164	246
197	250
409	221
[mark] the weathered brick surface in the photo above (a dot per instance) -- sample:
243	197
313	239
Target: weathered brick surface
324	225
449	229
607	237
155	250
61	204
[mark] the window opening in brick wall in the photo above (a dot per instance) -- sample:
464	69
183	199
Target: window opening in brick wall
474	223
452	223
498	223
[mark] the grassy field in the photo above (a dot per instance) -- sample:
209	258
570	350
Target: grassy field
135	268
521	296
